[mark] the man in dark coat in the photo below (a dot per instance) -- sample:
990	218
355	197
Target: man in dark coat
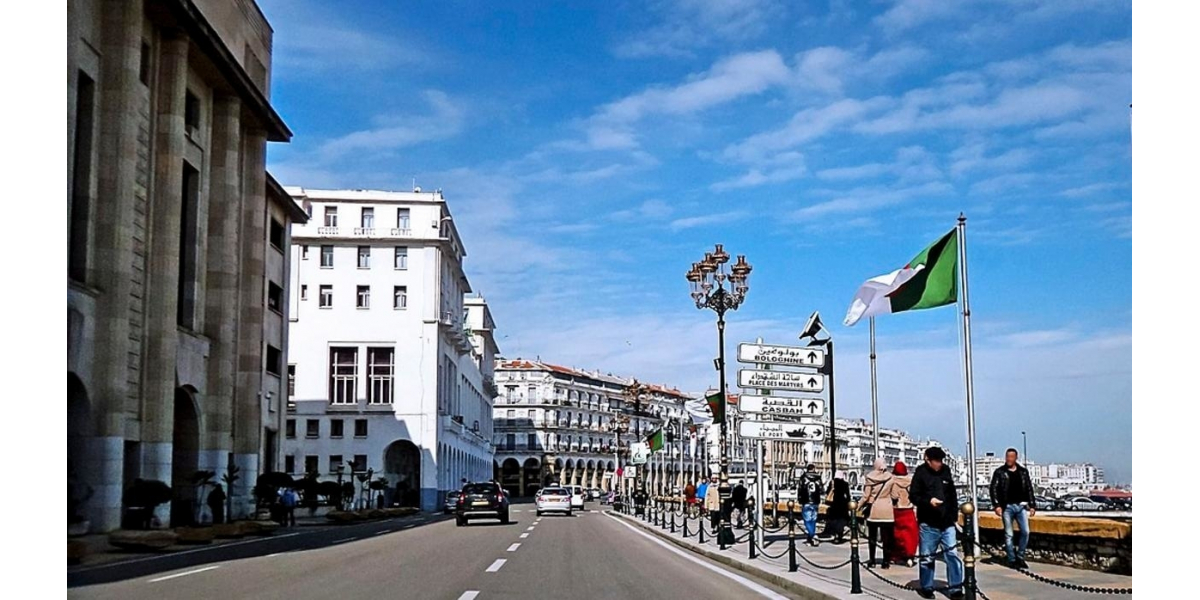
216	503
739	502
809	498
936	499
1012	495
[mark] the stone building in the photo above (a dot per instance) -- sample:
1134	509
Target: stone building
177	251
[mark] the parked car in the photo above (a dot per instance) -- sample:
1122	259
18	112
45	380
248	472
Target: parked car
451	503
1043	503
482	500
553	499
1082	503
577	497
594	494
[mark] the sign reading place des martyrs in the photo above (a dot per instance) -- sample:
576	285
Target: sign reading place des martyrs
787	356
781	380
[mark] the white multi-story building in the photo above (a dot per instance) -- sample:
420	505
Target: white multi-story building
389	360
562	425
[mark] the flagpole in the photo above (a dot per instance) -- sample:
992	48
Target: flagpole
874	393
970	381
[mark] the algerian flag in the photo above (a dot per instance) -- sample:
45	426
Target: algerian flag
655	440
927	281
698	410
716	404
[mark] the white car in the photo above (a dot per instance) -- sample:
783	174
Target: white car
554	499
577	496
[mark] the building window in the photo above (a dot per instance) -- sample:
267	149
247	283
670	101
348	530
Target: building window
360	462
331	216
335	461
531	441
312	428
533	395
364	257
304	252
379	375
277	235
360	428
512	414
185	314
289	464
326	257
326	296
144	64
363	297
402	218
191	113
401	258
337	428
304	291
289	428
291	380
310	463
274	297
343	375
510	441
368	217
274	360
400	297
531	414
81	184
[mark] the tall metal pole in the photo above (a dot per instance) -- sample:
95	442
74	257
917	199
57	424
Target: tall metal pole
1024	448
970	380
725	535
832	419
874	393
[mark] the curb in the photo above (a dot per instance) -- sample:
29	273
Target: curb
773	578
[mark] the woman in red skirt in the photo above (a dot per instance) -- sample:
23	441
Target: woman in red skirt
904	546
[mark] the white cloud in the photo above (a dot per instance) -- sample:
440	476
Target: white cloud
806	125
652	209
310	42
912	164
783	167
866	199
445	120
906	14
974	157
830	69
1092	188
704	220
689	25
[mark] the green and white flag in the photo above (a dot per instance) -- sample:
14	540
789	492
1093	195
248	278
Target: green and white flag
655	440
927	281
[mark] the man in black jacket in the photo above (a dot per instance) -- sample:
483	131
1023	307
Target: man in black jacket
739	502
1012	495
932	492
809	498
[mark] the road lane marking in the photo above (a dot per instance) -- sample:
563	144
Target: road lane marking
468	595
762	591
182	552
524	535
530	528
513	548
496	565
383	532
192	572
349	539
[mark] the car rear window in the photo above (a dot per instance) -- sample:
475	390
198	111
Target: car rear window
479	488
554	492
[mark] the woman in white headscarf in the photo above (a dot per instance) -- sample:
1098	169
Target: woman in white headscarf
877	507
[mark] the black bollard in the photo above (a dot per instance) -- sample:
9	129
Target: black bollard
855	575
685	520
701	524
753	524
792	566
672	520
969	583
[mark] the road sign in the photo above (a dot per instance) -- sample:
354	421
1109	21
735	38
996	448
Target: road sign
794	432
782	406
639	453
630	472
788	356
781	380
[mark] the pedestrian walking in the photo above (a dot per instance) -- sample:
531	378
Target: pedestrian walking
878	509
216	504
1012	495
689	497
712	503
936	499
289	500
809	497
739	503
701	491
837	516
905	531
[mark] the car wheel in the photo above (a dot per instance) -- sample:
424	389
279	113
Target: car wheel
539	513
569	512
461	522
504	518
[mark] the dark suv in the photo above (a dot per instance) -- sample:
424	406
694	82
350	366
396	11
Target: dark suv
486	500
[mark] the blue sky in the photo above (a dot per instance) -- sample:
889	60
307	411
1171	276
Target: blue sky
590	152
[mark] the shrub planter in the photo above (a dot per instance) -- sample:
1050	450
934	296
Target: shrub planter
261	528
76	551
195	535
342	516
141	541
228	530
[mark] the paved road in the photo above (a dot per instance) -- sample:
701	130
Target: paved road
590	555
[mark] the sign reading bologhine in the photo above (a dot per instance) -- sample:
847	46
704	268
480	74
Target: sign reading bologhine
788	356
781	380
782	406
775	430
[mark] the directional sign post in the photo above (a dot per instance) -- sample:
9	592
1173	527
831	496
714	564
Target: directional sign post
775	430
781	380
781	406
787	356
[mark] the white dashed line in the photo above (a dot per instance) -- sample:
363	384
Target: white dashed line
192	572
530	528
383	532
349	539
496	565
524	535
513	548
468	595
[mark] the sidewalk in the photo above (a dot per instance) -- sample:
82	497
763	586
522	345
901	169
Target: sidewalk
996	582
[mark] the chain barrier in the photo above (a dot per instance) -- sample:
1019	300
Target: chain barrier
1000	551
906	587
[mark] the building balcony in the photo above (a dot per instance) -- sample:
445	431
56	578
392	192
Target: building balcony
401	232
325	230
364	231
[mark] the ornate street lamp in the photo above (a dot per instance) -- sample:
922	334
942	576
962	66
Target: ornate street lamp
635	391
708	278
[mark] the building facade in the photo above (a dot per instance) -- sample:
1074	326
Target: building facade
388	354
1053	479
559	425
172	252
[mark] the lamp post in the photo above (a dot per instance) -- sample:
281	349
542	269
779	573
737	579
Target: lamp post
1024	448
636	391
707	279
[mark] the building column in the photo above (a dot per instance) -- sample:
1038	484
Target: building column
162	271
221	299
113	398
246	428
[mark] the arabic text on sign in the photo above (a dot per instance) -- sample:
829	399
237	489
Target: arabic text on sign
781	355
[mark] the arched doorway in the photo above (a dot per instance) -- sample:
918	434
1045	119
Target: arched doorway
185	457
510	476
79	429
402	464
531	475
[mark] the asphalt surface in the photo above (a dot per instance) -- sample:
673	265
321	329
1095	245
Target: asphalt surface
588	555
